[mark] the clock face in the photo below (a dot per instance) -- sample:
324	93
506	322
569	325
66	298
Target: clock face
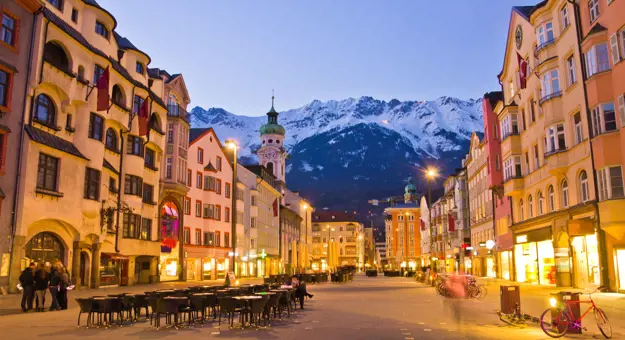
518	36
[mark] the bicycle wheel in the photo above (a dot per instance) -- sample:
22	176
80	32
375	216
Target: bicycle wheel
556	326
603	323
482	292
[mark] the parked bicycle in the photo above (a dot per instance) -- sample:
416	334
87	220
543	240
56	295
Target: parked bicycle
454	287
559	319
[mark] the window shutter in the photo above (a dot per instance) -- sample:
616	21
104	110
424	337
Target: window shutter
615	52
621	108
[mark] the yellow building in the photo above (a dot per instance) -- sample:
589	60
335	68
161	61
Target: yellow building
338	240
547	163
70	178
403	236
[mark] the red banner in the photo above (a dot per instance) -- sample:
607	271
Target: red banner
451	226
143	118
275	208
422	225
522	70
103	91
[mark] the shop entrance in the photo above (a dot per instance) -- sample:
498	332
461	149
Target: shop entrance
586	260
535	263
619	258
490	267
504	264
45	248
84	269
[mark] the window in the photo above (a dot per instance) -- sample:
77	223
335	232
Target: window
47	172
187	236
253	200
622	34
200	155
189	176
198	208
92	184
593	8
497	162
218	186
253	222
545	35
536	158
168	167
74	15
198	180
57	3
209	210
227	214
583	186
5	85
541	203
510	86
615	48
3	145
170	133
565	194
603	119
530	206
139	68
621	108
209	183
227	190
252	243
570	68
207	236
135	146
218	239
579	133
8	30
110	141
148	194
97	73
550	84
532	111
96	126
512	168
226	240
146	229
45	112
521	210
150	159
133	185
610	181
101	30
131	225
555	138
218	212
136	104
597	59
564	16
112	185
523	126
551	198
218	163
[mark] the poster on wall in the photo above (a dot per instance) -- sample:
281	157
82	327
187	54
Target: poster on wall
169	227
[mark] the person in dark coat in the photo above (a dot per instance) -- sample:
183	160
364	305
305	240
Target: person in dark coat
300	291
27	280
42	280
65	282
55	282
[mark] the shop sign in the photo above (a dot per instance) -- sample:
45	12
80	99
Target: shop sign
482	244
521	239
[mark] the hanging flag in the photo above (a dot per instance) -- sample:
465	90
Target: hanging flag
103	90
275	208
422	225
143	118
451	226
522	70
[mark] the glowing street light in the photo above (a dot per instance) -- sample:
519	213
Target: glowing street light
232	145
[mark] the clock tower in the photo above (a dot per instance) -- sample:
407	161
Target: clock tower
272	153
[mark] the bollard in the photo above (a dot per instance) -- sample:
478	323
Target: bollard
510	296
561	297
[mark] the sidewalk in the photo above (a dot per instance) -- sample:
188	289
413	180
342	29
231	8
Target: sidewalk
10	304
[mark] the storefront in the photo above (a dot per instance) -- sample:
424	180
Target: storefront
169	265
535	258
619	261
586	261
491	268
505	264
113	270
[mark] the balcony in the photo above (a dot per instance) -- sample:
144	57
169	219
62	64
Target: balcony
513	186
63	79
253	211
557	161
511	144
552	107
177	111
545	52
240	206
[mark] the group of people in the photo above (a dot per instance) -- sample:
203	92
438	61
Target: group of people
300	291
39	278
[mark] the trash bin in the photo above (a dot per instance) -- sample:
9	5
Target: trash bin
510	296
575	309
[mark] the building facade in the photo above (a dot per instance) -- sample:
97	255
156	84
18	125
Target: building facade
16	46
455	222
291	250
207	232
103	226
304	209
403	236
337	240
380	248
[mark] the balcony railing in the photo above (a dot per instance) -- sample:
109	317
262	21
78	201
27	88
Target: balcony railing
515	176
514	132
550	96
545	45
555	151
177	111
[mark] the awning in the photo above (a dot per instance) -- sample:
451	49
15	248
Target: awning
115	256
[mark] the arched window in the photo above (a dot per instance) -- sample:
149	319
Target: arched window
111	140
45	112
81	73
155	123
270	167
541	203
172	106
54	54
521	210
583	186
118	97
552	199
530	203
565	194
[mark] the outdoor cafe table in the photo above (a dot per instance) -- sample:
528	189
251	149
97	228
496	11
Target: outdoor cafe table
247	299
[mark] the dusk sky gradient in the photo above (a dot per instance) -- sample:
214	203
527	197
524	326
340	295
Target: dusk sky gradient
233	53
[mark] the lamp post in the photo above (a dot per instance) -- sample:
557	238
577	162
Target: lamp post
233	146
305	206
430	174
328	248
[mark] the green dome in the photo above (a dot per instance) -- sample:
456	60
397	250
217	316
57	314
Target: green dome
272	128
410	188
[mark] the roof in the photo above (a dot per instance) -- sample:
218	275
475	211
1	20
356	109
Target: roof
597	28
196	133
109	166
173	76
258	170
494	97
48	139
327	216
93	3
125	44
413	205
524	11
210	167
60	23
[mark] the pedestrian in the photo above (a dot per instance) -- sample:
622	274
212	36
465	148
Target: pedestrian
301	292
27	280
55	282
42	280
65	282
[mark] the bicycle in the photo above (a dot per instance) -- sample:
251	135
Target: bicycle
559	323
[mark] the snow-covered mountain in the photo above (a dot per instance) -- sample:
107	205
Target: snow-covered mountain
346	152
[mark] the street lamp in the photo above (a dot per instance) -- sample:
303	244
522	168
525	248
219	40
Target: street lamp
233	146
430	175
305	207
328	248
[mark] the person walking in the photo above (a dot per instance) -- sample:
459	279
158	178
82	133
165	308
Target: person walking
55	282
65	282
42	280
27	280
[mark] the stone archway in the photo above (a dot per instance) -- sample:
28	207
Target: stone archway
85	269
45	247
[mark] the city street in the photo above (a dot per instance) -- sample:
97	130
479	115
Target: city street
367	308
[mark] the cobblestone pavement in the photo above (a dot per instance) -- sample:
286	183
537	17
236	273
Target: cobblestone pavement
368	308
